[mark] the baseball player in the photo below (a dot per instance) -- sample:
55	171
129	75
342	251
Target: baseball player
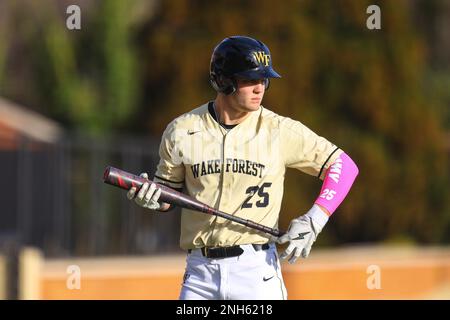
231	153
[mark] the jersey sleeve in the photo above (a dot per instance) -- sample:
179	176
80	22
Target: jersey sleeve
305	150
170	170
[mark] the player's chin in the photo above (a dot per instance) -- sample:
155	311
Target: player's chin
254	104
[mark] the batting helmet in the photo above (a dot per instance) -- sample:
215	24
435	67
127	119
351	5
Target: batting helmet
240	57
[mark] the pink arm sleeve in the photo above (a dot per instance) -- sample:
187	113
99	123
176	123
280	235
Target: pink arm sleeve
337	183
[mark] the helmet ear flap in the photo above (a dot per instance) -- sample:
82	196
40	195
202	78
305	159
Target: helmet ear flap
213	81
223	84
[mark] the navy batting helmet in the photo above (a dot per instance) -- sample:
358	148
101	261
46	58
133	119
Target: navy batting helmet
240	57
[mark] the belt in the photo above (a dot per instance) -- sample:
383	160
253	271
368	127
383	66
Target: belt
225	252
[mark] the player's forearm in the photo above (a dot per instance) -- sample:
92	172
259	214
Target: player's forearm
337	183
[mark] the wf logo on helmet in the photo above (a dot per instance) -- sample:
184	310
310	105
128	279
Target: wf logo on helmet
262	57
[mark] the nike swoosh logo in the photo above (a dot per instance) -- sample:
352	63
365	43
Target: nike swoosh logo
192	132
301	235
267	279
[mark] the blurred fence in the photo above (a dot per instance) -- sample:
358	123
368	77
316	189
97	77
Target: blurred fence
54	198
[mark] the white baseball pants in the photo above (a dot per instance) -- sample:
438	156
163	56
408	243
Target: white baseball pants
254	275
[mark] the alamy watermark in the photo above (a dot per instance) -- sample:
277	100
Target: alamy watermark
73	281
73	21
373	22
374	279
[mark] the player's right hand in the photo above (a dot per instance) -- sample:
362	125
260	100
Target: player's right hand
148	195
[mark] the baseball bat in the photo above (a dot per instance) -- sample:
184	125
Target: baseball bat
126	181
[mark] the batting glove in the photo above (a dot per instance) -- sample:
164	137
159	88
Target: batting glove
147	196
302	233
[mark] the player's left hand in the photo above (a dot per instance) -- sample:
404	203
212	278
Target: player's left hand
147	196
302	233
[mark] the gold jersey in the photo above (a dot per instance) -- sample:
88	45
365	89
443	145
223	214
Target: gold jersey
238	170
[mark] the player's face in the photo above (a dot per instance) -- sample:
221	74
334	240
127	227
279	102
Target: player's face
248	94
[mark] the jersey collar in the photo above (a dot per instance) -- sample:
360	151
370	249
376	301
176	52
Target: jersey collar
213	115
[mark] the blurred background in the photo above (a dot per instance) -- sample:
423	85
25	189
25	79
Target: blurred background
75	101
